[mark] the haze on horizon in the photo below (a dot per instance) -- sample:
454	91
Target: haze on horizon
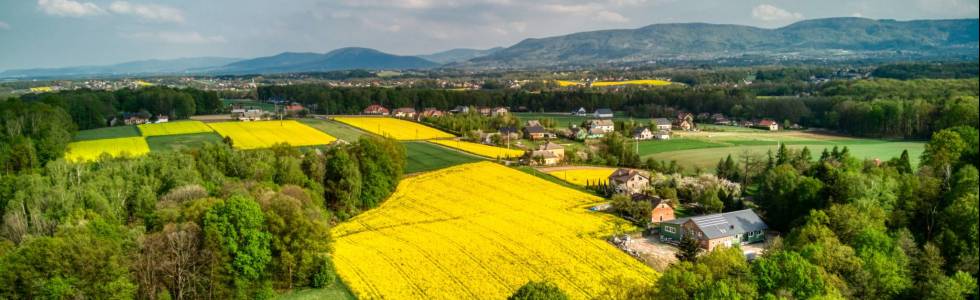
59	33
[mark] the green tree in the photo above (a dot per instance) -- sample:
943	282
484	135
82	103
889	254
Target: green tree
235	229
538	290
786	272
688	249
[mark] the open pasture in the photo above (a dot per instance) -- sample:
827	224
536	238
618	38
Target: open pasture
264	134
395	128
480	231
92	149
174	128
481	149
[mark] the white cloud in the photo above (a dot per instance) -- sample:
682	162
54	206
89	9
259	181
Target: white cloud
69	8
610	17
4	25
171	37
857	15
150	12
769	13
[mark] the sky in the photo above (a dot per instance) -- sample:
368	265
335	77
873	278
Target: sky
58	33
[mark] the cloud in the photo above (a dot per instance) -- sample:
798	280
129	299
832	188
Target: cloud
4	25
69	8
149	12
610	17
171	37
769	13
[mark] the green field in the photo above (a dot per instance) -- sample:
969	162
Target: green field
677	144
249	103
423	156
336	291
181	141
336	129
107	133
566	119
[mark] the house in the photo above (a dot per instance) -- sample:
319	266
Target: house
662	210
685	121
459	109
431	113
404	112
249	115
768	124
135	120
160	119
555	149
642	133
499	111
484	111
294	108
544	158
532	123
375	109
747	123
595	133
662	135
603	113
629	181
720	119
581	112
662	124
536	132
509	132
604	125
723	229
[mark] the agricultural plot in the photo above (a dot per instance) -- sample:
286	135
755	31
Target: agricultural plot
106	133
181	141
581	176
336	129
481	149
92	149
480	231
422	156
173	128
263	134
395	128
653	82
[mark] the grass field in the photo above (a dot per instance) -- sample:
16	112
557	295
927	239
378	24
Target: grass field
249	103
481	149
181	141
480	231
566	119
172	128
336	129
653	147
335	291
422	156
263	134
106	133
394	128
92	149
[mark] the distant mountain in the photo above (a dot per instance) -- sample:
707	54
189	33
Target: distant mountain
818	38
340	59
142	67
459	55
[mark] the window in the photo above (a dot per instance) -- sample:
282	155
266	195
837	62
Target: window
669	229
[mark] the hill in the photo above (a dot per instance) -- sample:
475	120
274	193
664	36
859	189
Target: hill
340	59
142	67
818	38
459	55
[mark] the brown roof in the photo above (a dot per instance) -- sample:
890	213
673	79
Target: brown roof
623	175
405	110
374	108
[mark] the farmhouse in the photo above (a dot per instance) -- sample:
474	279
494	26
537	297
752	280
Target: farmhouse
642	133
662	210
294	108
544	158
629	181
499	111
248	114
375	109
662	124
603	113
603	125
767	124
431	113
581	112
724	229
460	109
484	111
720	119
555	149
662	135
595	133
404	112
160	119
685	121
535	132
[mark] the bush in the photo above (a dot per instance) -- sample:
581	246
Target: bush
534	290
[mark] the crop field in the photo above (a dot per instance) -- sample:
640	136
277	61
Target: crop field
480	231
92	149
583	175
564	83
106	133
172	128
336	129
654	82
422	156
263	134
394	128
181	141
481	149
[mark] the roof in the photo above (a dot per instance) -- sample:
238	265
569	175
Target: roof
661	121
640	130
375	107
596	131
766	122
508	130
601	122
623	175
534	129
729	223
550	146
405	110
542	153
604	111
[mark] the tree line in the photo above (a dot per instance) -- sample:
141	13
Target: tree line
95	109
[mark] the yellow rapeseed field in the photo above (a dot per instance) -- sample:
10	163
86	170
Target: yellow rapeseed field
394	128
91	150
633	82
481	149
584	175
564	83
263	134
480	231
172	128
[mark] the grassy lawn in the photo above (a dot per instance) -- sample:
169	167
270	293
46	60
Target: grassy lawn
336	129
423	156
107	133
182	141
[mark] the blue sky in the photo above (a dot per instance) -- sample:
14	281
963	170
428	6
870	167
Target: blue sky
56	33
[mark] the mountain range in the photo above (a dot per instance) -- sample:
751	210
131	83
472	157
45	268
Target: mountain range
816	38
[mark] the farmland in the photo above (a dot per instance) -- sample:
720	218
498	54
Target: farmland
181	141
480	231
92	149
107	133
336	129
581	175
172	128
395	128
422	156
653	82
481	149
263	134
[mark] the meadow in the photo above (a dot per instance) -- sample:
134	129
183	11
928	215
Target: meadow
394	128
93	149
339	130
480	231
181	142
264	134
422	156
173	128
106	133
481	149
